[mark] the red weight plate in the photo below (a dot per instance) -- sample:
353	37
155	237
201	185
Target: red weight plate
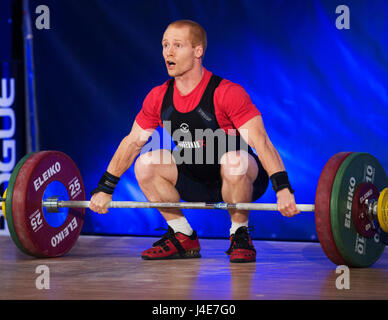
322	207
35	234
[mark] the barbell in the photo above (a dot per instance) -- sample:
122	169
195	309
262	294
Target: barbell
351	206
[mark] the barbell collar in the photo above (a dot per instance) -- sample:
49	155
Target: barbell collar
51	204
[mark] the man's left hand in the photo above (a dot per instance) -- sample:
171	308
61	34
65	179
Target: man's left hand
286	203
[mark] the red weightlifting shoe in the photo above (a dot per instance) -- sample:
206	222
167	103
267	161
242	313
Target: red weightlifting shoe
241	248
174	246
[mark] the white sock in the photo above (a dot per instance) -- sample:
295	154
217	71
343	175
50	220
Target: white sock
236	225
181	225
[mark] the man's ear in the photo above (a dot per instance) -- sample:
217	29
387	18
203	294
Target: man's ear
198	51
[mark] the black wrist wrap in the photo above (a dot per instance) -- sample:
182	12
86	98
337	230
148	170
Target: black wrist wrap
107	183
280	181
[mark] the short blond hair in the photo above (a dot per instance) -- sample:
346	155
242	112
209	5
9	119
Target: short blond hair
197	32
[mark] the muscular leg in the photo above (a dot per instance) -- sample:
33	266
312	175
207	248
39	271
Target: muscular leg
238	172
157	173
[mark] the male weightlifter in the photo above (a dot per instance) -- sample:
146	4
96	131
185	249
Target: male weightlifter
197	99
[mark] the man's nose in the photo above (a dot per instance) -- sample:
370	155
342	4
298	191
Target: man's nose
170	51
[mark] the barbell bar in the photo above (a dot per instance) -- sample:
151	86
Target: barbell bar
52	204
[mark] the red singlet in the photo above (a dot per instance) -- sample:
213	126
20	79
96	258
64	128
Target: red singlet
233	106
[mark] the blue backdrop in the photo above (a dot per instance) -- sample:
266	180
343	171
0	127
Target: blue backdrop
321	90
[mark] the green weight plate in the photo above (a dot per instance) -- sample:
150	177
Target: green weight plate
8	202
355	249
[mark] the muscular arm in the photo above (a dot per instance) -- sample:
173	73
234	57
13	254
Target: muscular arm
123	158
253	132
128	150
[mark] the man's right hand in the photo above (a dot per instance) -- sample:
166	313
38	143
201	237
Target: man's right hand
99	202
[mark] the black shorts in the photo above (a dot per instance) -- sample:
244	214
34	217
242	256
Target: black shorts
195	191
